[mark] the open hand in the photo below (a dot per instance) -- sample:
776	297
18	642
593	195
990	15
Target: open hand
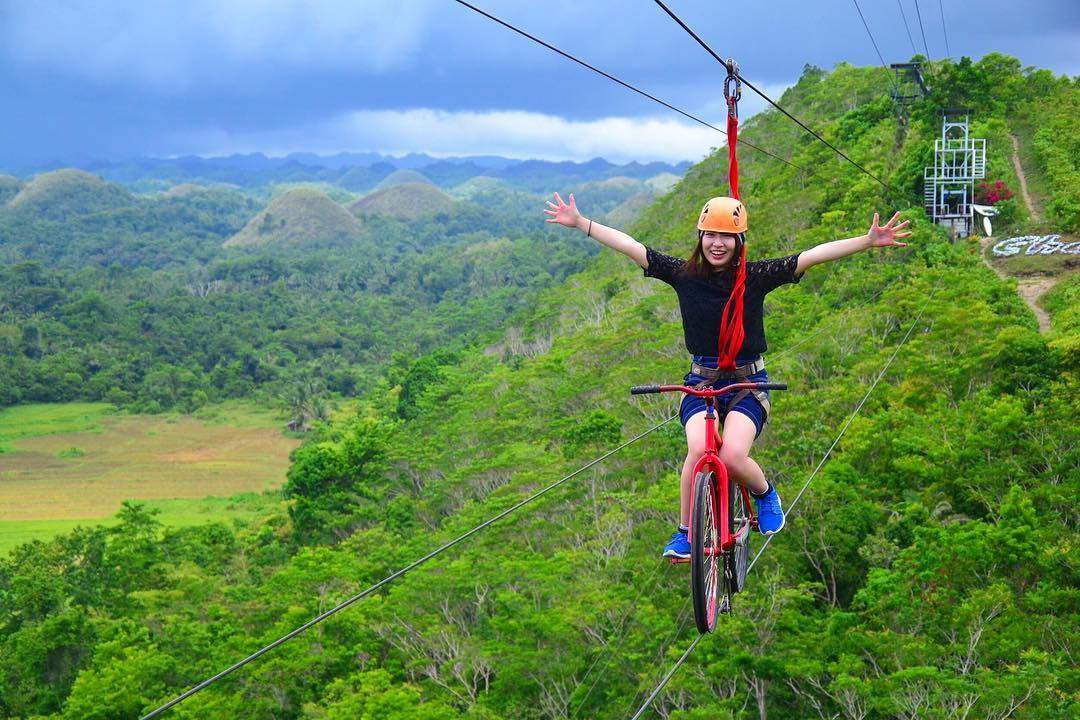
562	213
888	234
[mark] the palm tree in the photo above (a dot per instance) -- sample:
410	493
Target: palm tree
304	404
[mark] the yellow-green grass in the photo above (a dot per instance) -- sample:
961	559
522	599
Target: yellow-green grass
72	465
184	512
45	419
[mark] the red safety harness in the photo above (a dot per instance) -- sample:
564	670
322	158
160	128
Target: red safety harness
731	322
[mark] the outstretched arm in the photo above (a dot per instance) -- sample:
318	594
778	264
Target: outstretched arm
886	235
568	215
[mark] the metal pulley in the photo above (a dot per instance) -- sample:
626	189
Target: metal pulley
732	97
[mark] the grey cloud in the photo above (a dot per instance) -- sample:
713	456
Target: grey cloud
105	77
175	46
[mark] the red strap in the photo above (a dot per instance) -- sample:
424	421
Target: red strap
732	141
731	322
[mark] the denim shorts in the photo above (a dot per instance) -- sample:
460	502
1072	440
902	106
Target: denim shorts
748	405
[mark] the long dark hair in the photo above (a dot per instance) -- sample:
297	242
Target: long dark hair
698	266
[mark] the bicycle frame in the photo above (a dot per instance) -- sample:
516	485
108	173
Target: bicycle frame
711	457
718	557
721	488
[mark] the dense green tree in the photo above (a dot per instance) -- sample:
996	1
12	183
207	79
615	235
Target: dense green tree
337	485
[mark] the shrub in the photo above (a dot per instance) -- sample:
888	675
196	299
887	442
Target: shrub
991	192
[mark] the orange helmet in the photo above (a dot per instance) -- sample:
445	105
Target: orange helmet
723	214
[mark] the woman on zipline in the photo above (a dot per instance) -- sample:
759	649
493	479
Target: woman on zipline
721	297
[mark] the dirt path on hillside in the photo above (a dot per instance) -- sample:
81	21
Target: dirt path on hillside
1033	288
1036	216
1029	288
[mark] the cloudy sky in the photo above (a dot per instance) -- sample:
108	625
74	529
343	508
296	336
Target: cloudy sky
86	79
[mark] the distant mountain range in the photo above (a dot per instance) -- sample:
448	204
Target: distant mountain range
354	171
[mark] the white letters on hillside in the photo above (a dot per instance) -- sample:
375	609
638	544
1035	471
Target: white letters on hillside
1035	245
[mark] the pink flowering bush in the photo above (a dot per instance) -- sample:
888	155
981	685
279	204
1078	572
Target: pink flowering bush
991	192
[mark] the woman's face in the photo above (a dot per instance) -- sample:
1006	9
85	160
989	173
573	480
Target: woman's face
718	248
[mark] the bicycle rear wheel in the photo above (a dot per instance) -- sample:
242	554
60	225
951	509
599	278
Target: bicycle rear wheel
736	561
706	566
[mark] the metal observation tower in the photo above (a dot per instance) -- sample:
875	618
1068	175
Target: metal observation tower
949	185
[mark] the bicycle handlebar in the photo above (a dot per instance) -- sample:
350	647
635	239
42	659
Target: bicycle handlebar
707	392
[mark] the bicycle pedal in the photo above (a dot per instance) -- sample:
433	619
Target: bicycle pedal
679	560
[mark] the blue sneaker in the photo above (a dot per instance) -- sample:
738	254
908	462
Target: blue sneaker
770	514
679	547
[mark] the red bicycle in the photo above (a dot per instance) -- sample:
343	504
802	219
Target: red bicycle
721	515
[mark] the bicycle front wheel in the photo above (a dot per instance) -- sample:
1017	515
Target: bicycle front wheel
706	566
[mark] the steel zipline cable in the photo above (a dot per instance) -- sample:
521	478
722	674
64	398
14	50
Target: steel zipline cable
390	578
625	84
847	424
791	508
907	29
684	617
772	102
608	650
943	29
412	566
874	43
926	47
670	674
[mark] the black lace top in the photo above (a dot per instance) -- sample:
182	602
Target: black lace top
702	300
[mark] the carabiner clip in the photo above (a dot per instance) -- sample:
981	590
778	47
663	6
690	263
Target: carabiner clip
732	99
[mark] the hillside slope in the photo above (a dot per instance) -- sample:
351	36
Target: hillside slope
929	570
300	217
404	201
62	194
9	187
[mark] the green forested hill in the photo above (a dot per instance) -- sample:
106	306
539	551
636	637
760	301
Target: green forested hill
67	193
9	187
102	225
405	201
930	571
198	294
300	219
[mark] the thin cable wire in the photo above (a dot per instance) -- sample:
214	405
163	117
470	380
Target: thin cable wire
684	617
791	508
772	102
943	29
874	43
388	579
671	672
608	650
825	328
625	84
926	47
906	28
394	576
851	418
782	353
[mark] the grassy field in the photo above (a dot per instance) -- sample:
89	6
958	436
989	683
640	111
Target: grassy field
177	512
31	420
74	464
